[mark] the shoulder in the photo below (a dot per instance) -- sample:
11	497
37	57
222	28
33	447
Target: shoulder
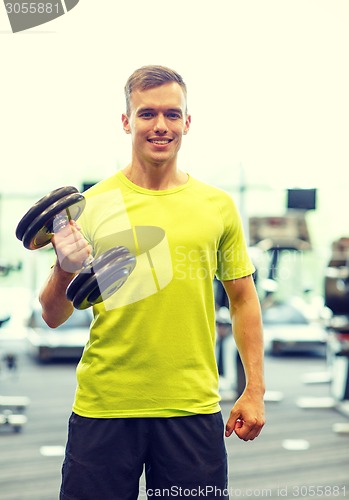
219	200
211	192
102	199
103	186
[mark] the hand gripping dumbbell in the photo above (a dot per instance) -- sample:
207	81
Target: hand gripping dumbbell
100	277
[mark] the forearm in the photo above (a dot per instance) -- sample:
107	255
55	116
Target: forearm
248	334
247	415
247	329
72	250
56	308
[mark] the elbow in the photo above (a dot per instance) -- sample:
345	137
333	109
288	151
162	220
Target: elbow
50	322
55	307
55	316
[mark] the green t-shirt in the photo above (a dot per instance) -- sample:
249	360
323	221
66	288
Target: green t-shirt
151	351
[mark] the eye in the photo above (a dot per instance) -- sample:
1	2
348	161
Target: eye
146	115
174	116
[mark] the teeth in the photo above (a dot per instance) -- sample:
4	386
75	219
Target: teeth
160	142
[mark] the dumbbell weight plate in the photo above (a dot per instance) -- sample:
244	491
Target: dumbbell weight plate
40	206
105	276
40	230
89	270
110	278
100	286
108	282
101	278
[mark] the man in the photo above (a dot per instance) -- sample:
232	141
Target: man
147	389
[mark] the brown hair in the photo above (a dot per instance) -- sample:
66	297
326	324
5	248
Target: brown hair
148	77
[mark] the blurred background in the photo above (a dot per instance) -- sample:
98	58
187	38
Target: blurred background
268	94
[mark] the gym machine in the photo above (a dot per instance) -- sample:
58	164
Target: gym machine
287	323
12	408
337	301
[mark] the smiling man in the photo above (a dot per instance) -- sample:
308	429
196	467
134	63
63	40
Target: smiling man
147	394
157	120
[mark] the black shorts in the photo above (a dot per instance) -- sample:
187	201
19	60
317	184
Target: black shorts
183	457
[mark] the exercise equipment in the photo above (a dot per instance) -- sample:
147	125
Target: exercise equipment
337	278
337	300
6	268
100	277
290	316
12	409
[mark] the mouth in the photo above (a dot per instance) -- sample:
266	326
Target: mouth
160	142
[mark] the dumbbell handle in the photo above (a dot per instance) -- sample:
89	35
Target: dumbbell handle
62	220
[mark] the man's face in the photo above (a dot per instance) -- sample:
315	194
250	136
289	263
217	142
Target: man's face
157	122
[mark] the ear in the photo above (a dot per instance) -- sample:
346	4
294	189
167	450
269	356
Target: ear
125	123
187	124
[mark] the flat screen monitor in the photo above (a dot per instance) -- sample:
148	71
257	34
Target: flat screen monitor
301	199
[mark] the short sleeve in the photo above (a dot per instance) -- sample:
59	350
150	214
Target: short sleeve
233	260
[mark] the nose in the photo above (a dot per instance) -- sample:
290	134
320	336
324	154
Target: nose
160	125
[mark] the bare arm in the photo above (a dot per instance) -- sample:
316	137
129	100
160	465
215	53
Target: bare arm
71	249
56	308
247	416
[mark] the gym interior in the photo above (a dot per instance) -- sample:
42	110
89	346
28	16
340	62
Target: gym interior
302	278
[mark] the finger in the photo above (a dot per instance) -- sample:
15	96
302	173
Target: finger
74	225
75	237
234	422
72	250
68	236
71	227
73	262
248	432
238	424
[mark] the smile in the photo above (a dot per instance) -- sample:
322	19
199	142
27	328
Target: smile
160	142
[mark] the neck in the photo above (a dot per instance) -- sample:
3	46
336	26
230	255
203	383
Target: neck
155	177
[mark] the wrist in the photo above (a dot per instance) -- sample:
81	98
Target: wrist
257	389
62	273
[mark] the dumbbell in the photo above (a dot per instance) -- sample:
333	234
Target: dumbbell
100	277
